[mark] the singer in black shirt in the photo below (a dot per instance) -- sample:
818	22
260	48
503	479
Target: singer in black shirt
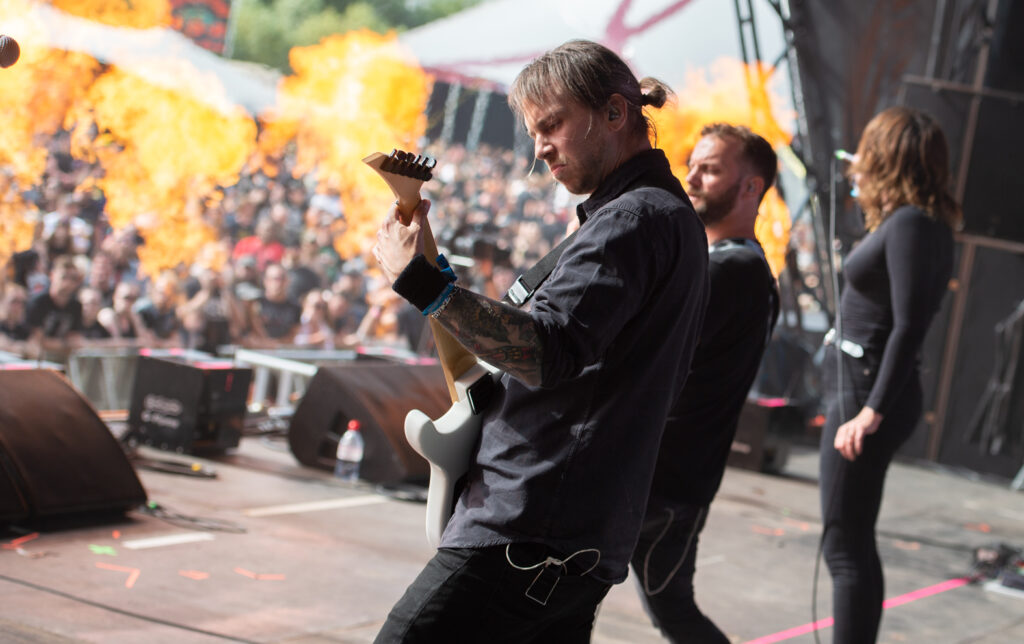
895	280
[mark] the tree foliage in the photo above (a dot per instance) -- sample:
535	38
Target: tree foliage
266	30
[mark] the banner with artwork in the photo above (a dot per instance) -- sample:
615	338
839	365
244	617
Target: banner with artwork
204	21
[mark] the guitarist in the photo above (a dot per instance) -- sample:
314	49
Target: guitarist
554	497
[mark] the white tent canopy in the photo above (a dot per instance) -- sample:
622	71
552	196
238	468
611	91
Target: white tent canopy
660	38
487	44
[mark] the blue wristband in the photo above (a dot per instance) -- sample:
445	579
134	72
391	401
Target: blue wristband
441	300
446	268
449	274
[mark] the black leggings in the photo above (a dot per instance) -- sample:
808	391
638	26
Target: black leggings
851	495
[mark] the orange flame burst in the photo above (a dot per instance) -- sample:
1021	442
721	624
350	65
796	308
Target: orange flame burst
738	94
35	95
351	94
163	154
139	14
17	222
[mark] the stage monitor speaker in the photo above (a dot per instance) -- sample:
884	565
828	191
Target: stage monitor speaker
764	433
57	458
378	396
188	406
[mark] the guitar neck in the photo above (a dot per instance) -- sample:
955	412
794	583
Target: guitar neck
455	359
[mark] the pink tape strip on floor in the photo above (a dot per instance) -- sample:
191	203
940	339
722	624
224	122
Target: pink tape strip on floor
905	598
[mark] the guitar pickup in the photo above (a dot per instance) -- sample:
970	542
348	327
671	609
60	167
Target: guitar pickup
481	392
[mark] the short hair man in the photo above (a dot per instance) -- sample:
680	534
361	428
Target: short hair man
730	170
277	317
558	484
55	315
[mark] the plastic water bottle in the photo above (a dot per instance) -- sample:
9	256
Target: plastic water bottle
350	453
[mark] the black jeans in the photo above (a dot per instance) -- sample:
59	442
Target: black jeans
851	494
664	563
468	595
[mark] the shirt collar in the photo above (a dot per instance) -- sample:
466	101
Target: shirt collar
649	167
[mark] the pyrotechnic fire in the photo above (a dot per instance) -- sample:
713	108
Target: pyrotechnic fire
163	154
140	14
351	95
735	94
17	222
35	95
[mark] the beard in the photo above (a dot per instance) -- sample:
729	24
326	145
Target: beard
714	209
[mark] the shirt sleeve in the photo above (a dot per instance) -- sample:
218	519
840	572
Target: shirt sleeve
913	266
594	291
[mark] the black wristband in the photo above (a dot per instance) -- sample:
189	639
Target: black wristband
421	282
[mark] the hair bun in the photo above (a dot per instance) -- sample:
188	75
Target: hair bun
653	92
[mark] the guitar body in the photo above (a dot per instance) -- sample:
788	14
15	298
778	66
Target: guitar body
447	444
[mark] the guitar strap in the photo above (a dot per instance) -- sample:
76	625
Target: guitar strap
528	283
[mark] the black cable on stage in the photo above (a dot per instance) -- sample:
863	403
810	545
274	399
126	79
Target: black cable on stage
184	521
121	611
838	344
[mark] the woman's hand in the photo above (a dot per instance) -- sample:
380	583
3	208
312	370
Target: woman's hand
397	243
850	435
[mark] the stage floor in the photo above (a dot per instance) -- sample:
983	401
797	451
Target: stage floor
271	551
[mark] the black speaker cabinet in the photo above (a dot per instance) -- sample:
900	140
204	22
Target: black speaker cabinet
378	395
188	406
57	458
764	434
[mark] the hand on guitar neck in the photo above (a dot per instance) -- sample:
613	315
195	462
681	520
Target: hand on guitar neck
446	443
410	232
407	221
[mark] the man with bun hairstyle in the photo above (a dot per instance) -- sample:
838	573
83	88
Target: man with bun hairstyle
553	500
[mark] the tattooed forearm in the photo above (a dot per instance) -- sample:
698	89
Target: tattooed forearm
499	334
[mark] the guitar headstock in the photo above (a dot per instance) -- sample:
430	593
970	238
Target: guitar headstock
405	173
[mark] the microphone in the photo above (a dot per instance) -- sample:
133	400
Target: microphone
843	155
9	51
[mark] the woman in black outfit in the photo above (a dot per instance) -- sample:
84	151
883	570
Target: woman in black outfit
895	280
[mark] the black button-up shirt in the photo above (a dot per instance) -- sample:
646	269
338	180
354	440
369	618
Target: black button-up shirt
569	463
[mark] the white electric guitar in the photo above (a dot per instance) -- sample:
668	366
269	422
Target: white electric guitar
447	442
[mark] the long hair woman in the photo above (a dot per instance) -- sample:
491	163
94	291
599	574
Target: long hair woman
895	279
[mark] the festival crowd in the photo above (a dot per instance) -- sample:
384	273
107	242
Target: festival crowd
282	282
